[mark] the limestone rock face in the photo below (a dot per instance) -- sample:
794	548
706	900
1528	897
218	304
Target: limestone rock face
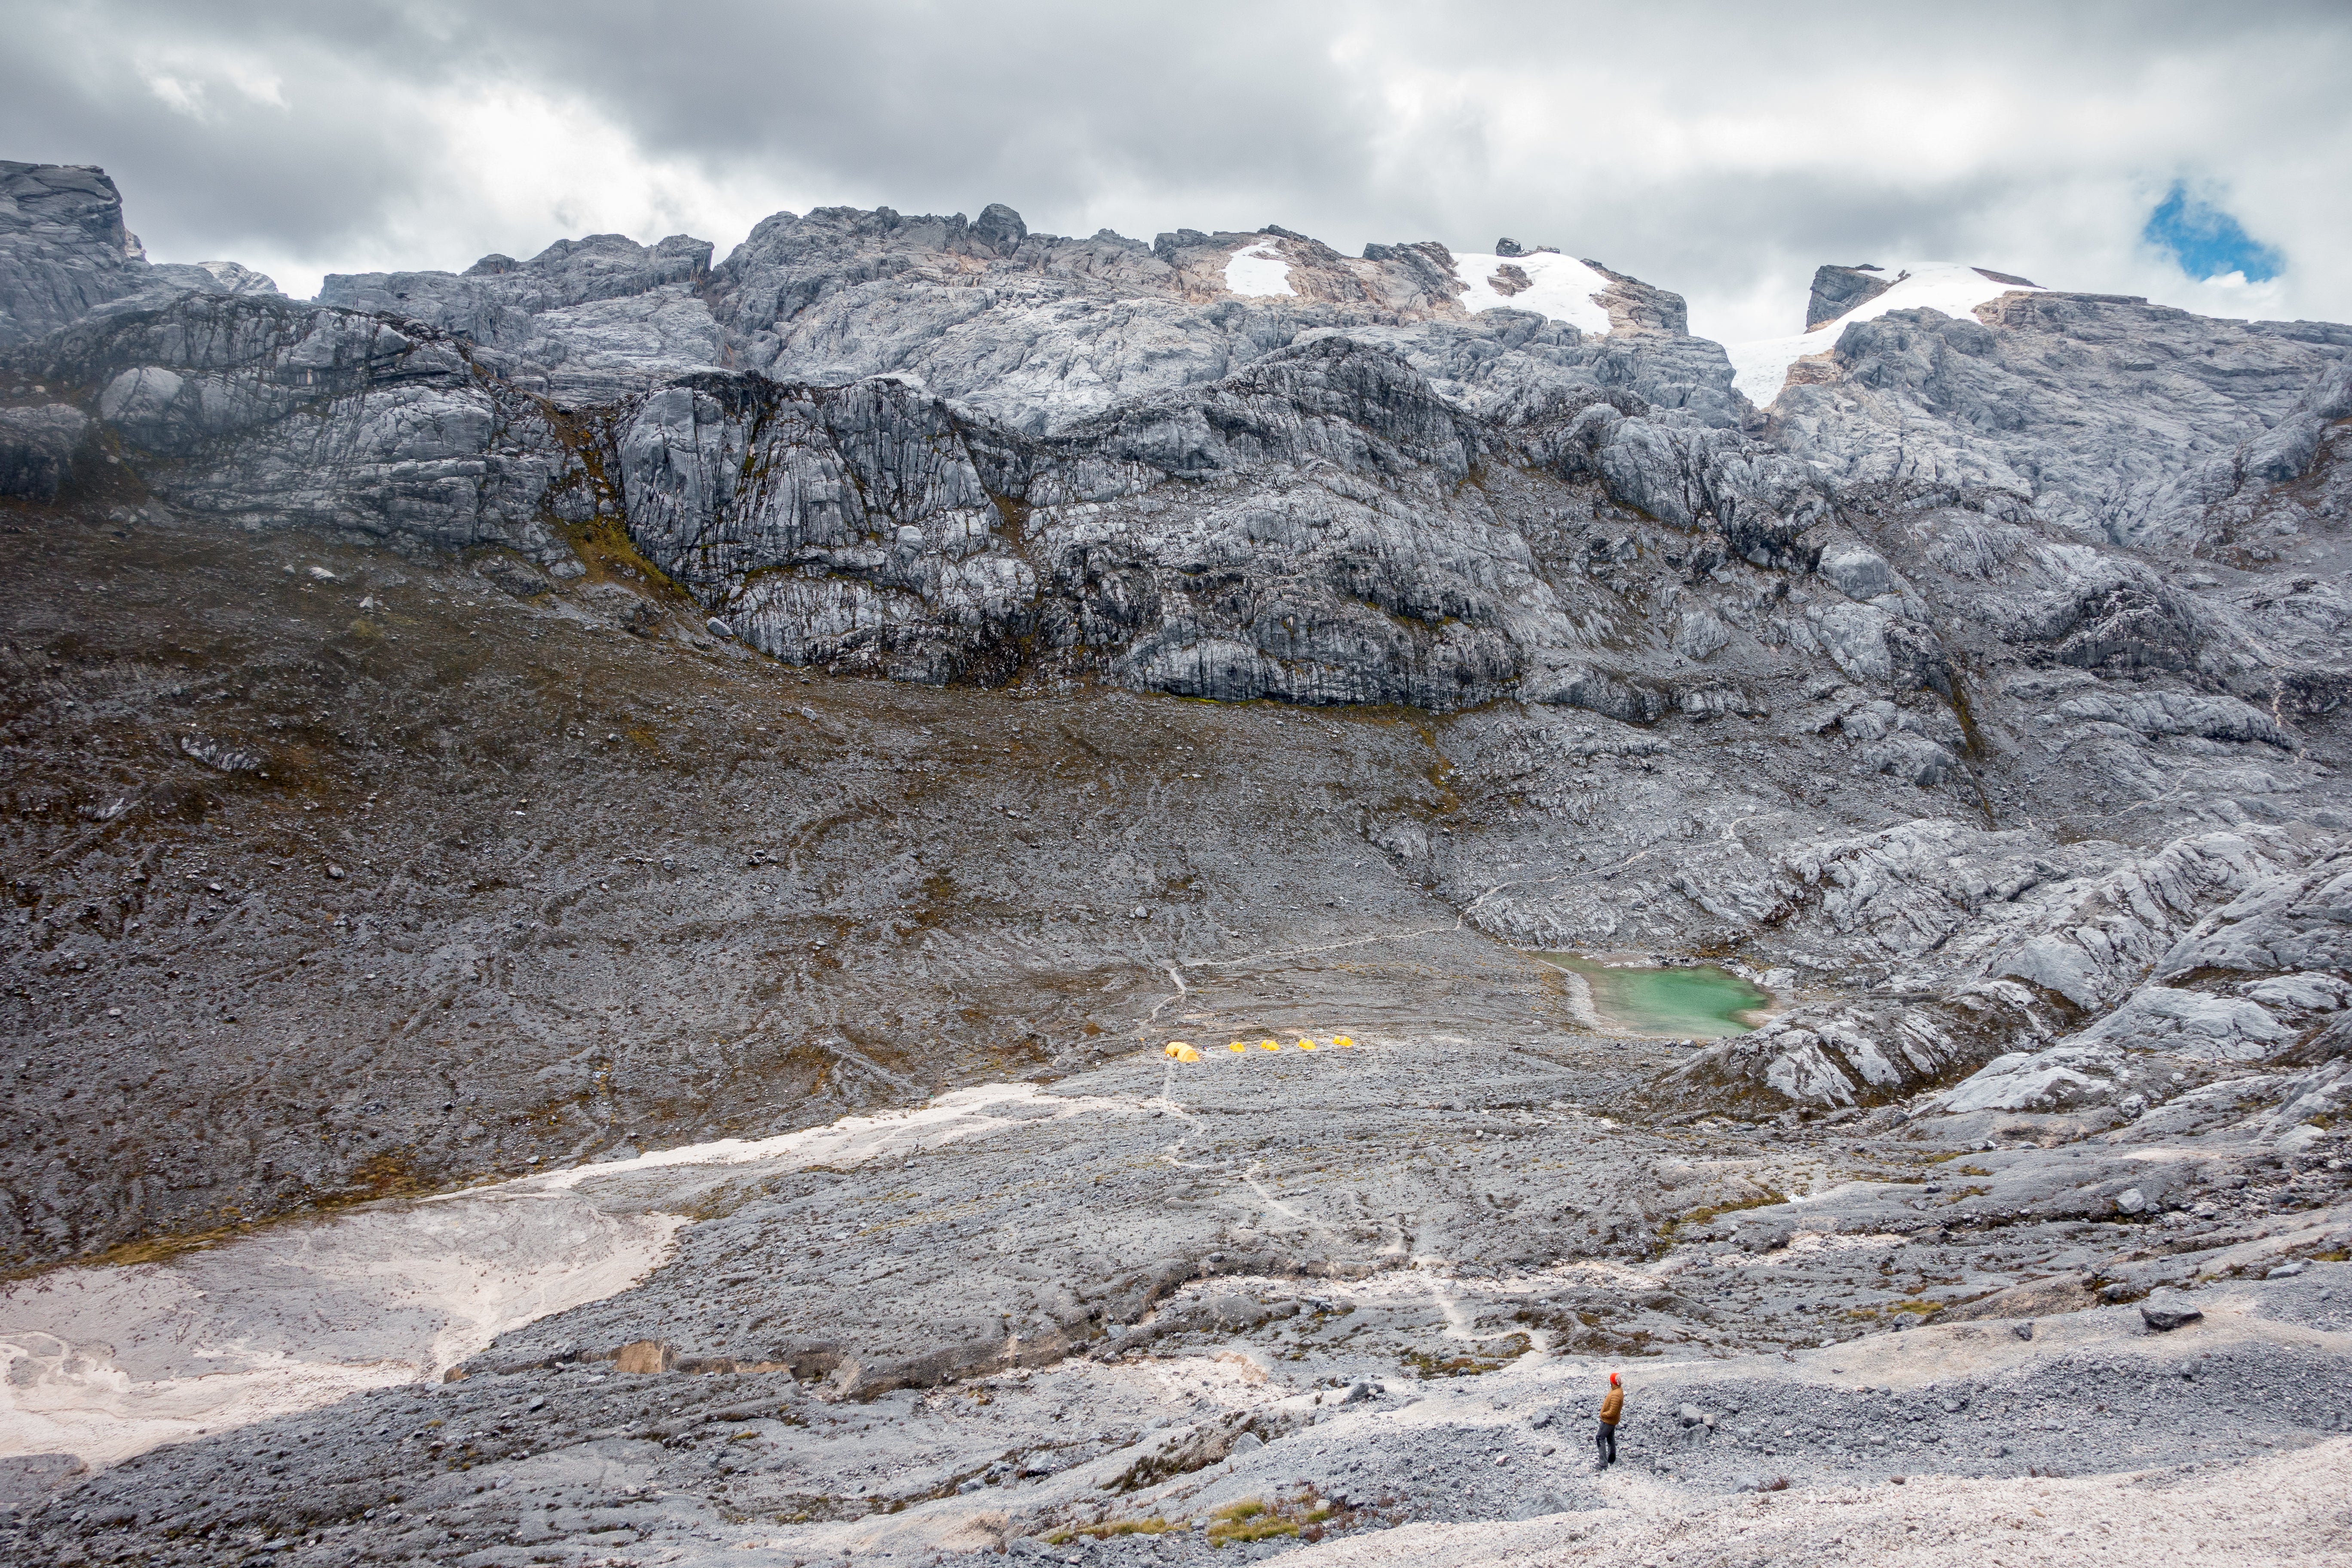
1041	331
63	248
253	409
2113	418
1185	545
483	302
586	320
65	256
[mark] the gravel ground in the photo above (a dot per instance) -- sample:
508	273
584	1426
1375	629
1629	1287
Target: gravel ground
1236	1308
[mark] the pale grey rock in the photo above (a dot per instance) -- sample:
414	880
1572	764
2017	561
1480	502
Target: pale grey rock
140	399
65	256
2189	1024
1858	572
2054	1078
2279	924
273	413
2074	702
2091	408
1854	636
63	248
2204	503
162	283
2092	940
602	351
585	321
489	302
1699	633
1052	330
1221	544
2102	933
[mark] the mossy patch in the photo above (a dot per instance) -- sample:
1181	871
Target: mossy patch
1437	1363
1254	1520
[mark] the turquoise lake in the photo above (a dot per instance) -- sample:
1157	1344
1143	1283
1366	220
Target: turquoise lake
1700	1003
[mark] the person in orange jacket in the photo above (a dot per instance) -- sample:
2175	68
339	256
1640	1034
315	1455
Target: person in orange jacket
1612	1408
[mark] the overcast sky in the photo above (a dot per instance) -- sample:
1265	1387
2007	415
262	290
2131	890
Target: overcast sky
1721	151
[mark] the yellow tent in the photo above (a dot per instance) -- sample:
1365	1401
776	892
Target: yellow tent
1182	1052
1343	1041
1237	1046
1269	1045
1307	1046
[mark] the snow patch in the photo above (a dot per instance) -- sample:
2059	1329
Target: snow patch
106	1362
103	1364
1559	286
1258	271
1760	368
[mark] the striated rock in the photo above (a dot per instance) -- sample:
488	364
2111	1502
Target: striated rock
1041	331
261	409
2297	922
2093	409
63	248
65	256
488	300
1130	545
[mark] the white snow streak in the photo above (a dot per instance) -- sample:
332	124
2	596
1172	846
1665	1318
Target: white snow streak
1560	287
1760	368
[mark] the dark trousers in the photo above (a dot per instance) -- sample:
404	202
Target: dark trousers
1605	1439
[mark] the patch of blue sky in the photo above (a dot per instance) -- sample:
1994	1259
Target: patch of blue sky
2207	241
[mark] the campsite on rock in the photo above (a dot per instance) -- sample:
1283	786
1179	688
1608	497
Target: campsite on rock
928	888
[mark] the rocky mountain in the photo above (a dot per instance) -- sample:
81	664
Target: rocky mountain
2052	590
579	706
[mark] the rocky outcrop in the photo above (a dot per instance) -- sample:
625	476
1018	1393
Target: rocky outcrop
63	248
1282	533
2093	409
65	257
252	409
1042	331
586	321
1837	290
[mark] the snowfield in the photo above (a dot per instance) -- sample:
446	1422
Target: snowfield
1560	287
1760	368
1258	271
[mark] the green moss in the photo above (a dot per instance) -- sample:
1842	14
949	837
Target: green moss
1703	1216
1436	1363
